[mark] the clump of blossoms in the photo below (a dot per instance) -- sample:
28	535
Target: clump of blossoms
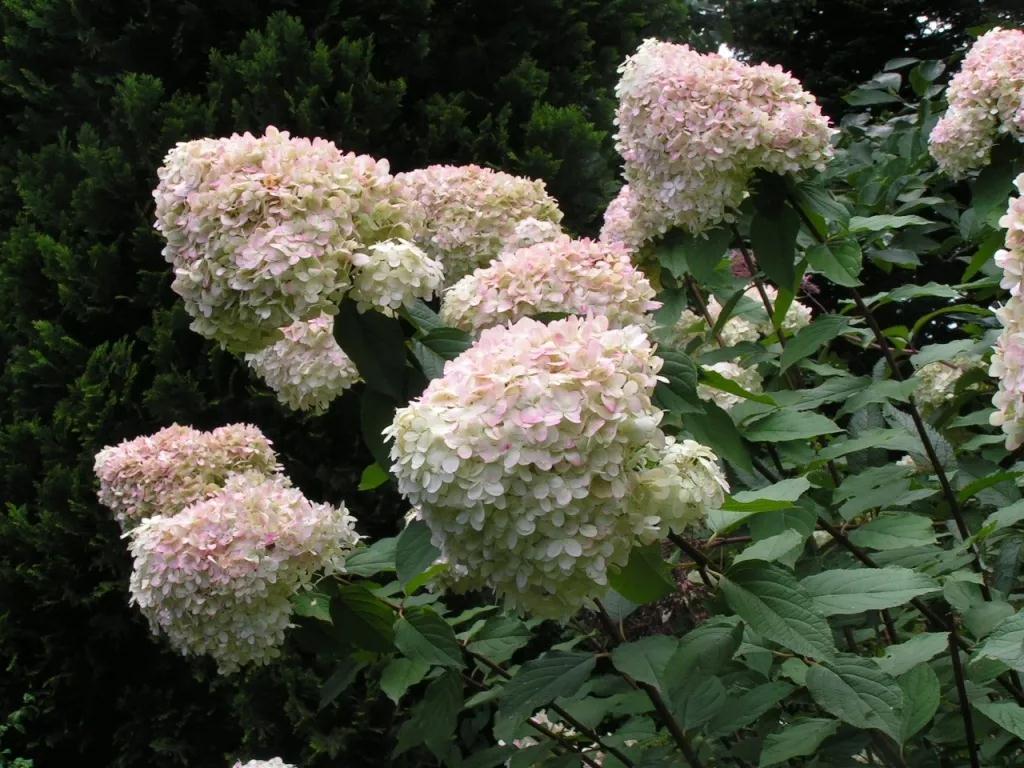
161	474
530	460
392	274
307	369
531	232
739	328
984	103
471	212
217	578
1008	356
693	128
274	762
747	378
582	277
264	231
936	382
620	224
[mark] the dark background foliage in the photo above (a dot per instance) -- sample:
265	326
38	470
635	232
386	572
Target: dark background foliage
96	349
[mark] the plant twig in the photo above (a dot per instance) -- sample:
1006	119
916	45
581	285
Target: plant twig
698	557
961	690
702	305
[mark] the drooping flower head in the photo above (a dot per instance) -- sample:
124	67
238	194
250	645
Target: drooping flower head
471	212
582	277
984	103
1011	258
262	231
621	224
693	128
528	457
161	474
217	577
307	369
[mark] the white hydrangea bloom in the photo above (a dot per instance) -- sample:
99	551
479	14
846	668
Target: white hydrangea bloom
261	230
274	762
693	128
936	382
307	369
393	274
583	277
472	212
747	378
217	577
530	460
162	473
532	231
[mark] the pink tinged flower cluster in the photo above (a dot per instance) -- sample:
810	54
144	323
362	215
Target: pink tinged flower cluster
472	212
538	462
582	277
161	474
984	103
621	224
693	128
1008	357
306	368
217	578
264	231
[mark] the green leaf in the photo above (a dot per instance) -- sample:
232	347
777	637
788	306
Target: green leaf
377	558
780	495
884	391
423	635
339	681
857	692
645	578
993	186
313	605
772	548
921	694
695	254
431	363
373	476
781	426
894	531
901	658
400	675
797	739
376	413
773	237
449	343
1006	642
812	338
866	97
539	682
774	604
883	222
679	393
1005	714
840	262
414	553
376	345
363	618
854	590
715	429
645	659
741	711
499	638
421	316
716	380
433	719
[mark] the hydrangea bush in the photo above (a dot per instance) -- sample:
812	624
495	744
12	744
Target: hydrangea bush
737	484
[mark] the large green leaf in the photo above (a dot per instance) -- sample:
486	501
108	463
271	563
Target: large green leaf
376	345
423	635
812	338
414	553
780	495
646	577
903	657
1006	642
839	262
363	618
646	659
856	691
894	531
678	393
854	590
378	557
775	605
400	675
538	682
921	695
499	638
1005	714
715	429
782	426
797	739
773	237
742	710
434	718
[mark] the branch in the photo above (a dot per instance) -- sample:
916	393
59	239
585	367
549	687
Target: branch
961	689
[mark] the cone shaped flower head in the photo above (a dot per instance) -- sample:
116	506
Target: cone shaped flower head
985	103
693	128
161	474
1008	355
530	460
582	277
263	231
306	368
472	212
217	578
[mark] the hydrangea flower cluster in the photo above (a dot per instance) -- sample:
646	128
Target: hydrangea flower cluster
984	103
936	382
748	378
163	473
753	323
264	231
535	457
393	273
472	212
1008	356
274	762
620	224
217	578
693	128
583	277
307	369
